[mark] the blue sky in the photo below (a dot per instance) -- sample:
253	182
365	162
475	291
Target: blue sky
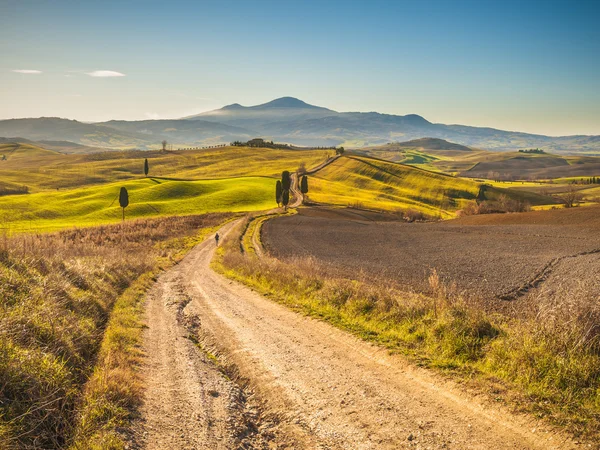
518	65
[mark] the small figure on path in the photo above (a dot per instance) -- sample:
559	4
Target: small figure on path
217	239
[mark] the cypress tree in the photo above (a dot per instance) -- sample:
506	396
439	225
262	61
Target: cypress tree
286	180
123	200
304	185
146	167
278	192
285	198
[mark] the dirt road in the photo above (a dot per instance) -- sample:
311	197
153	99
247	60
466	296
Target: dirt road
316	386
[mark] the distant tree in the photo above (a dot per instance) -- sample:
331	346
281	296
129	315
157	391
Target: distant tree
339	151
146	167
123	200
571	197
481	194
278	192
304	185
285	198
286	180
164	146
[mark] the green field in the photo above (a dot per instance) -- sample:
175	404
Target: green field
81	189
52	210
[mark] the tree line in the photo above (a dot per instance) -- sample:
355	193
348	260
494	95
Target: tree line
283	186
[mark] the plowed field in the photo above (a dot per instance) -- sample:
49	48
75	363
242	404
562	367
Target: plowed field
492	257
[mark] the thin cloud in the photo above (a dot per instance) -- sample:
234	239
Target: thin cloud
28	71
105	73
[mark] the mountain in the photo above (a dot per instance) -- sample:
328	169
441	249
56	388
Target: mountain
260	118
183	132
56	129
289	120
54	146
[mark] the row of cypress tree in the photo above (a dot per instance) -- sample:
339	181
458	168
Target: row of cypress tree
283	186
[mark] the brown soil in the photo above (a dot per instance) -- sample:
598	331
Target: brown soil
317	386
492	256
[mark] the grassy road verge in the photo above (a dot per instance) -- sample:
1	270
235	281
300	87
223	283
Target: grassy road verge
547	364
70	327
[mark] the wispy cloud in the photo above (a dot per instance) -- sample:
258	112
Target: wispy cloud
152	115
28	71
105	73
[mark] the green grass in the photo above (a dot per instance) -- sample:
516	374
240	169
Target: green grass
59	293
41	169
114	390
53	210
377	184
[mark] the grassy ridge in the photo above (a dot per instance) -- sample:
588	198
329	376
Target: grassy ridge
378	184
46	211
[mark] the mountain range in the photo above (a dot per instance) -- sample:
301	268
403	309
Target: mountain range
289	120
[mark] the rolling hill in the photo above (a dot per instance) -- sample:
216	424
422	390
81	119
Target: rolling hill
371	183
87	206
289	120
423	144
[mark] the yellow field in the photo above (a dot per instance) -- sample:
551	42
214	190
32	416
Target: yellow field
377	184
43	169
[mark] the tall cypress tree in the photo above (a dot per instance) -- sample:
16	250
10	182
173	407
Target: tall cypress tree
278	192
123	200
285	198
146	167
304	185
286	180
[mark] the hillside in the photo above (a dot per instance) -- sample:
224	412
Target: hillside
40	169
183	132
520	166
371	183
423	144
57	129
148	197
375	184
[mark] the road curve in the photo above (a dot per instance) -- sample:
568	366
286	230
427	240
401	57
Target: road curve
326	388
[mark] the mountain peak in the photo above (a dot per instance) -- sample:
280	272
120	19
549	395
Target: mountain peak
233	106
286	102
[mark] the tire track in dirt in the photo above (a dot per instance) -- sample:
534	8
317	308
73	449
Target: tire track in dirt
189	402
322	387
539	278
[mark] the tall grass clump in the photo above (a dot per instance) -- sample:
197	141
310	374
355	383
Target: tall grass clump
547	358
58	292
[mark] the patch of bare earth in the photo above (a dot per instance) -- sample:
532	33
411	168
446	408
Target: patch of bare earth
492	257
315	386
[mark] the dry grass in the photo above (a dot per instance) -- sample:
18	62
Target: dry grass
57	293
549	359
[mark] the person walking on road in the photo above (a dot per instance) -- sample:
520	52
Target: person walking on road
217	239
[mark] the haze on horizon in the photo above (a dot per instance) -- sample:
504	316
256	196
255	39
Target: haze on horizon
523	66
